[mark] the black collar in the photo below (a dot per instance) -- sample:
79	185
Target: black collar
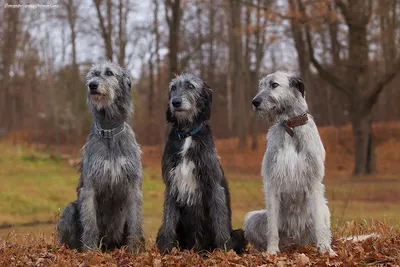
108	133
183	135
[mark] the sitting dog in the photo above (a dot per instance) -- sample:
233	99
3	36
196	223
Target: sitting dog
293	170
108	211
197	213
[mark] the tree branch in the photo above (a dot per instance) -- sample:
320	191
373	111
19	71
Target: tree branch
342	6
100	16
382	82
325	74
167	6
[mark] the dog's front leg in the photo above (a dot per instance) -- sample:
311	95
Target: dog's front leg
90	237
321	216
166	237
273	210
136	242
220	218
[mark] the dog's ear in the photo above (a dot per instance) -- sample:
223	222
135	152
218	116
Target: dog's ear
297	82
127	79
128	82
204	106
169	116
208	90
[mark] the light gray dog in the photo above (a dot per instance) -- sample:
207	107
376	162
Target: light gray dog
108	211
293	170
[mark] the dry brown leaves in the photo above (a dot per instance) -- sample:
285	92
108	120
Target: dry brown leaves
384	251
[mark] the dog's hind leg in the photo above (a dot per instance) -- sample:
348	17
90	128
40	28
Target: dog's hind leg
255	229
68	227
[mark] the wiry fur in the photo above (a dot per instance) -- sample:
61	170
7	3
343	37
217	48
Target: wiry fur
108	211
293	170
197	213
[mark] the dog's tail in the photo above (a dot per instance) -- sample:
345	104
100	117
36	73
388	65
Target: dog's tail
255	224
237	242
361	238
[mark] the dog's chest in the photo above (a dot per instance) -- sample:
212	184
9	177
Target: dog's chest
285	165
107	167
183	179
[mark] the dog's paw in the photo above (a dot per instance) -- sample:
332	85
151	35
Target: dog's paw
327	250
86	248
165	245
273	250
137	246
237	241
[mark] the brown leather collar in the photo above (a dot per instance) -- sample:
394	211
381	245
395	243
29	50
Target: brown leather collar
298	121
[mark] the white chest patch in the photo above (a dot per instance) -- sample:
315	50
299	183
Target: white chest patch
183	179
115	167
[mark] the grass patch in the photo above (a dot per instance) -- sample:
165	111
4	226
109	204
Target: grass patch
36	185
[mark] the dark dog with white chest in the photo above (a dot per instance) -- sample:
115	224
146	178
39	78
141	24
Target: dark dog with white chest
197	212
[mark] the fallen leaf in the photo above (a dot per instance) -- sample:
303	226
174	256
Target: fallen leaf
302	260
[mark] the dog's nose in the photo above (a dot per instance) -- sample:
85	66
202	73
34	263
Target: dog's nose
177	102
256	102
93	85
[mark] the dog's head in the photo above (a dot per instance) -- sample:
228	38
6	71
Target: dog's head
108	84
280	93
189	100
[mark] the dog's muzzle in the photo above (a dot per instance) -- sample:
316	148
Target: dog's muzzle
93	85
176	102
256	102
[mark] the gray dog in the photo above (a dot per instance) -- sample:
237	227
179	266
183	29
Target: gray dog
108	211
293	170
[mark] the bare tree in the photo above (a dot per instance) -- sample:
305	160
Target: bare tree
105	26
11	29
173	16
363	83
260	46
123	11
211	34
236	69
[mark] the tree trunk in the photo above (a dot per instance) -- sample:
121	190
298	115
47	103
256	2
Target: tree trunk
237	71
211	59
11	32
151	89
122	40
105	30
363	144
173	15
159	83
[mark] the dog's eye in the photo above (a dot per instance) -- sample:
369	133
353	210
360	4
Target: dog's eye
109	73
274	85
173	88
190	86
